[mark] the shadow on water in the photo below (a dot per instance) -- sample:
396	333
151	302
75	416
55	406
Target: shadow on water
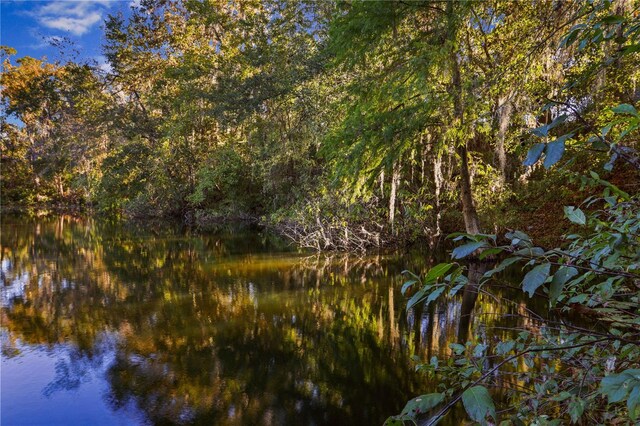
227	328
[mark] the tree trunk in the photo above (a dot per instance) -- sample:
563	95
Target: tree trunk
395	181
438	180
471	220
503	112
469	213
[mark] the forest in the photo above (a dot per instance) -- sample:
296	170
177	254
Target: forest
344	125
510	127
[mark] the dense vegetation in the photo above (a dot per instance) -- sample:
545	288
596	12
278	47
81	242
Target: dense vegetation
356	124
349	125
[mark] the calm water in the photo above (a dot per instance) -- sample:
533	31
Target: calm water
109	324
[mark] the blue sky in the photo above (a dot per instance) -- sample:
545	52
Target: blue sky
30	25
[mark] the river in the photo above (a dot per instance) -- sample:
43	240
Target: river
116	324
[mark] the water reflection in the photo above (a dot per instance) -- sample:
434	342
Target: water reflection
224	329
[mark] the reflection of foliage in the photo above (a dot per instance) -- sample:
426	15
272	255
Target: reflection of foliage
206	333
76	367
209	334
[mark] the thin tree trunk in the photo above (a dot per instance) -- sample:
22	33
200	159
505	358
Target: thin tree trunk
469	213
503	110
395	181
438	180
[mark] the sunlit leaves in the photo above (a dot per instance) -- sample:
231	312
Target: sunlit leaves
437	272
437	280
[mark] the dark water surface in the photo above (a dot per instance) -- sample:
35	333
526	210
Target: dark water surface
110	324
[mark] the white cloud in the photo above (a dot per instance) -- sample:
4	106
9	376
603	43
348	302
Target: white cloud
76	17
102	63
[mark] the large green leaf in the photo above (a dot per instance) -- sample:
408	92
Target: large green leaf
613	19
614	387
478	403
554	150
625	109
575	215
534	154
437	272
535	278
422	404
466	249
417	297
564	274
502	266
435	294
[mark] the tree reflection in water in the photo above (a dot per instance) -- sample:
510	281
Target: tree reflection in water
224	329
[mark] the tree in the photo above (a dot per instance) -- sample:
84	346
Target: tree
58	140
588	372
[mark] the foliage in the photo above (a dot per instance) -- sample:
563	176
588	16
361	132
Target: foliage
408	113
574	373
579	369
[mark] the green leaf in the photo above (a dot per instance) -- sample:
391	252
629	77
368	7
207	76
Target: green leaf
457	348
625	109
609	165
534	154
543	131
613	19
576	408
417	298
422	404
479	350
467	249
437	272
435	294
575	215
490	252
564	274
456	289
517	236
478	404
505	347
398	420
502	266
633	402
554	150
530	252
614	386
570	37
535	278
561	396
407	285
